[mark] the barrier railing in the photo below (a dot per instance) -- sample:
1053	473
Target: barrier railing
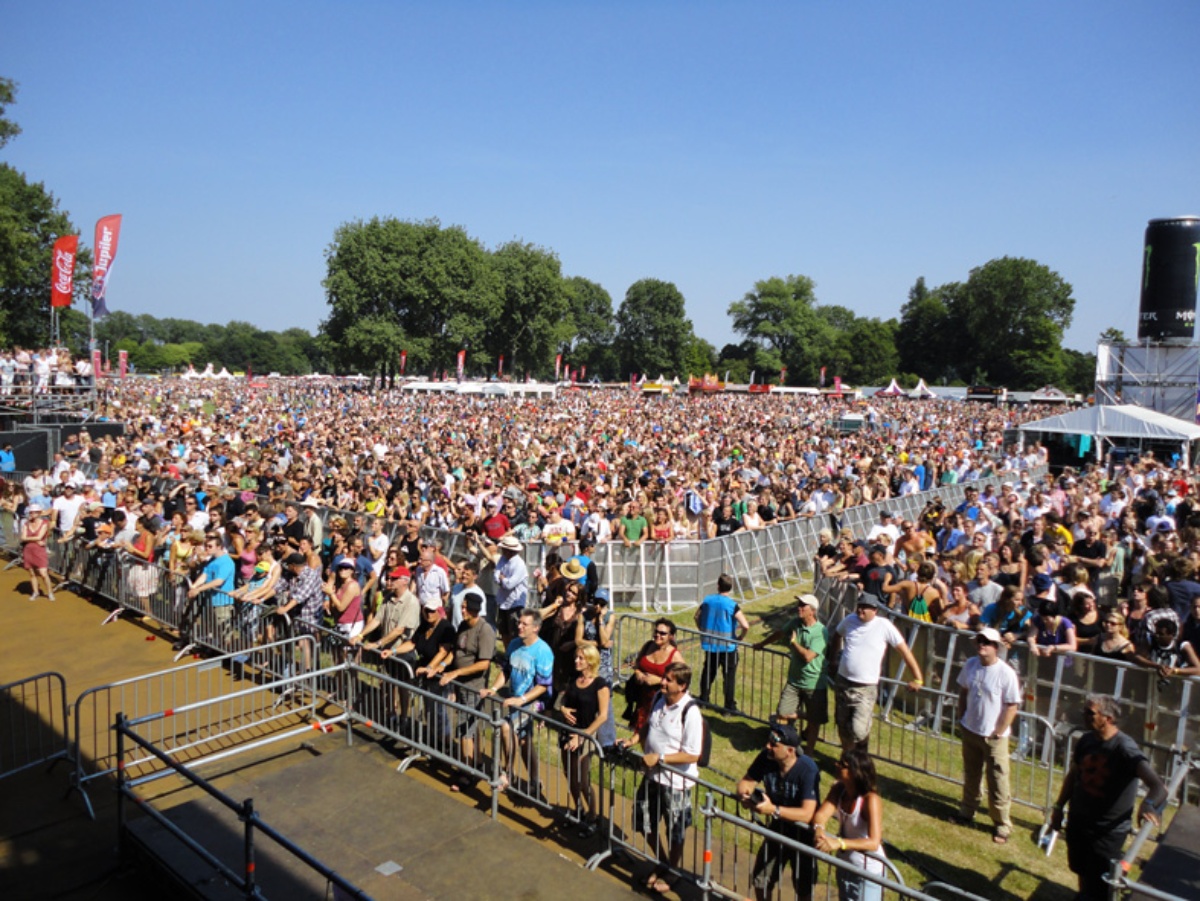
270	704
33	723
1118	879
760	673
730	868
247	880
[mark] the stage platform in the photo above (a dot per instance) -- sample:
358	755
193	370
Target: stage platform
1175	865
387	833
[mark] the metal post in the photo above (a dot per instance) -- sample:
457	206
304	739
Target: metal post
248	817
121	786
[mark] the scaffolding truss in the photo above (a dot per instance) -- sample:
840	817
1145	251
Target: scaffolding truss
1155	376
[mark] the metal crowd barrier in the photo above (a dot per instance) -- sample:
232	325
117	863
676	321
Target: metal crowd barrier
271	704
1118	880
33	723
247	879
761	674
732	844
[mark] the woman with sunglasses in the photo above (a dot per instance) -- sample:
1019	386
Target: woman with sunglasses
1114	643
858	807
652	662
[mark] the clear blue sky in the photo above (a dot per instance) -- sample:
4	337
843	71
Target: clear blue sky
707	144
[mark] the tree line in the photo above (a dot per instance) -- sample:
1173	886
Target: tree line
429	292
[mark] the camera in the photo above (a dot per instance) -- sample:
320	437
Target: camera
757	797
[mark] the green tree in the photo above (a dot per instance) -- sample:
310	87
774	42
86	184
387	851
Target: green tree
1113	336
431	289
1010	319
30	222
1080	372
653	331
778	313
534	321
924	328
592	315
871	347
8	94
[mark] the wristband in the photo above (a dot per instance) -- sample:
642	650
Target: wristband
919	681
841	844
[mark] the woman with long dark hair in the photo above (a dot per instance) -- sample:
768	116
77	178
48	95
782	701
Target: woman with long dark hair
856	803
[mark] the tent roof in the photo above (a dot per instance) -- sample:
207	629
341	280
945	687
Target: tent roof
1122	421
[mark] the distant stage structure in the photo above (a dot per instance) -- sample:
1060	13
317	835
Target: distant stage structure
1162	370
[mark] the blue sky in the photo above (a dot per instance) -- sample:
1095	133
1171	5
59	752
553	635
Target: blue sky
707	144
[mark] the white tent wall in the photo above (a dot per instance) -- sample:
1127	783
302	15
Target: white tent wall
1157	377
1119	426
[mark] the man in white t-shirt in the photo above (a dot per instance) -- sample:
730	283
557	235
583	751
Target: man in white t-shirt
66	509
885	531
989	696
863	637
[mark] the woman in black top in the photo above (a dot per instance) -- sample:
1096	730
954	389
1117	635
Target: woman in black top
432	645
584	706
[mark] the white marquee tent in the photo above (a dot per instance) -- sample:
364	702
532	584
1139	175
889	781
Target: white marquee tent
1123	424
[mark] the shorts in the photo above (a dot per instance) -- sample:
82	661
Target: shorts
467	726
655	802
854	711
506	620
349	630
518	718
813	701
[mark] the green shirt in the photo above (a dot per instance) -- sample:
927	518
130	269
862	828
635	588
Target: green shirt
634	527
808	675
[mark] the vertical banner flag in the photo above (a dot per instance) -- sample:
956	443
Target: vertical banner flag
557	366
462	361
123	362
633	381
62	276
822	376
583	372
97	366
837	384
403	360
108	230
500	366
782	375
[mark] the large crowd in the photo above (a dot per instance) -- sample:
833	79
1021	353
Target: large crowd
223	487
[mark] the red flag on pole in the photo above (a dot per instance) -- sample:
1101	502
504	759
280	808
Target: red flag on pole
97	365
462	362
557	366
123	362
108	231
500	366
403	360
62	277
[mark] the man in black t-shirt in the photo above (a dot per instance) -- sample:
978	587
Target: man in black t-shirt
788	798
1100	789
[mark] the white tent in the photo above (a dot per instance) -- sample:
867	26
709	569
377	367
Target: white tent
892	390
1049	395
1124	424
921	392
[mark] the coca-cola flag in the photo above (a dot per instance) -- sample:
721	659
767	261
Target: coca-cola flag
123	362
500	366
557	366
62	272
108	230
97	365
462	362
403	360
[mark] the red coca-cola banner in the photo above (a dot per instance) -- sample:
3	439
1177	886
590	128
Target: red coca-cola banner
500	366
62	271
557	366
108	231
583	372
123	362
462	362
403	360
97	364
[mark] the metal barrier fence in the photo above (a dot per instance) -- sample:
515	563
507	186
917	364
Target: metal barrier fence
761	673
1118	880
247	880
198	728
33	723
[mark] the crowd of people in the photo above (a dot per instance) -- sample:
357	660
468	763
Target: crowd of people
42	371
224	491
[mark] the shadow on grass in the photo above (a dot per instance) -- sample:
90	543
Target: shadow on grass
936	869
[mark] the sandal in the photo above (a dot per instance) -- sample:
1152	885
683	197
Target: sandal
1000	839
661	886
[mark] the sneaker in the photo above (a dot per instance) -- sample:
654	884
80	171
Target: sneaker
588	829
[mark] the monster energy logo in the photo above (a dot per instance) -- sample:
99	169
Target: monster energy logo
1146	269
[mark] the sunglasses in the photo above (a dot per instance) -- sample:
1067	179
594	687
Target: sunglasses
662	633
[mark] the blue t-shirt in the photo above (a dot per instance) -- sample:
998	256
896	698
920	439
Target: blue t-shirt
222	568
529	665
717	614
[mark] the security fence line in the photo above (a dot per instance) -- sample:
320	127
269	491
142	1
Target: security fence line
126	735
677	575
33	723
196	729
1118	880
